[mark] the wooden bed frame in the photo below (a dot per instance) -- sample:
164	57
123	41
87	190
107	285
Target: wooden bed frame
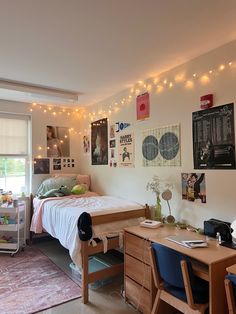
87	250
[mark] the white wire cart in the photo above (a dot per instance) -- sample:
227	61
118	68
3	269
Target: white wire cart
12	227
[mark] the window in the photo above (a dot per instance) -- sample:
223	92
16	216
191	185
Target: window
14	153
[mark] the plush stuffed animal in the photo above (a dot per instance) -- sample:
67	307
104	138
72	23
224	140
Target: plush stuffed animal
78	189
62	191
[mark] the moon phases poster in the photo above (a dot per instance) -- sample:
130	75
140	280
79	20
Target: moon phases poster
161	146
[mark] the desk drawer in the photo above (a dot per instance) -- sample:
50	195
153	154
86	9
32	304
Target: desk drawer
138	271
138	296
137	247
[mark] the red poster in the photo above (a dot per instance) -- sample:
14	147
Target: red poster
143	106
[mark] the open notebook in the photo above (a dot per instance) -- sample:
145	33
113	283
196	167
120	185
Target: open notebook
189	242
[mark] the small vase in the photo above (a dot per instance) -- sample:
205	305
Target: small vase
157	210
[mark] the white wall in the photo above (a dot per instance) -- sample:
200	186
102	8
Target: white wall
171	106
39	122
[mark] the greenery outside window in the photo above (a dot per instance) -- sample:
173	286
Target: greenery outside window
14	153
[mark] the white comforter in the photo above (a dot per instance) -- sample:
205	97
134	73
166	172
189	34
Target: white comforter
60	218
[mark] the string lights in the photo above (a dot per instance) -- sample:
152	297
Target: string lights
155	85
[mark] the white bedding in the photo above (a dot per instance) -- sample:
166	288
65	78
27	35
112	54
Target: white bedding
60	218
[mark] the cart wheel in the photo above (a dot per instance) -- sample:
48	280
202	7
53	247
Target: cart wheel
12	254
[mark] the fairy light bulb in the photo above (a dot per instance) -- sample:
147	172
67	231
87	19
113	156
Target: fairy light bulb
189	84
40	148
221	67
230	63
155	80
165	82
194	75
170	85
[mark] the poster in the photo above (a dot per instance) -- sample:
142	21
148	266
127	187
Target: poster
193	187
41	165
112	131
126	150
99	142
143	106
86	144
213	138
161	147
58	141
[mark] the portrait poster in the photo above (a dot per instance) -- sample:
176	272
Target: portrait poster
161	146
41	165
86	144
126	150
193	187
58	141
143	106
99	142
213	138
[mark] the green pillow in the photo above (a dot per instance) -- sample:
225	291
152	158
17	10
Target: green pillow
78	189
56	183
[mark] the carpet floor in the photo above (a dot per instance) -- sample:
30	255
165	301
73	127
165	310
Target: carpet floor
30	282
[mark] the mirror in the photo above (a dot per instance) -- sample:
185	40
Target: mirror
167	195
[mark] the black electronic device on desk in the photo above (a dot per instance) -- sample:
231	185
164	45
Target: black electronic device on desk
225	230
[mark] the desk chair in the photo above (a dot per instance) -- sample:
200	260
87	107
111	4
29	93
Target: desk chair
230	288
175	282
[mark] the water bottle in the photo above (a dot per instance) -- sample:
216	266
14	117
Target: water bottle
218	237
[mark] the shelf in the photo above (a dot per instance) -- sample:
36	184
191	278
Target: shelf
9	210
8	246
11	227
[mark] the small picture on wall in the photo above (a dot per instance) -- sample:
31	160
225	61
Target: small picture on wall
112	143
193	187
112	153
56	163
41	166
86	144
112	131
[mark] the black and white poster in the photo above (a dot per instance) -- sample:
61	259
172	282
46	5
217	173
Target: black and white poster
213	138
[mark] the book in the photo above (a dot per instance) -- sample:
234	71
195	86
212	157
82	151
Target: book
189	243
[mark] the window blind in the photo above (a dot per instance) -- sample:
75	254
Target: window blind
13	134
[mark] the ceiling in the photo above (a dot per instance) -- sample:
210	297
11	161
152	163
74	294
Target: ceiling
100	47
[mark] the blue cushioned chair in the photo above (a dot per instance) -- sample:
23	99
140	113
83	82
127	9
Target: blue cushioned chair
175	281
230	288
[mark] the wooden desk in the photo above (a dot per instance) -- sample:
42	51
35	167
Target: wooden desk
209	263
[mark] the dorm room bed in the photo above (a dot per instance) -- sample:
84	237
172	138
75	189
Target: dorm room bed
110	215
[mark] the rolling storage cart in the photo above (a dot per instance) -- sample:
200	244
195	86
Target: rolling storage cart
12	228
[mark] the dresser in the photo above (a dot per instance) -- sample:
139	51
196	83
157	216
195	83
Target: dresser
140	290
139	285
